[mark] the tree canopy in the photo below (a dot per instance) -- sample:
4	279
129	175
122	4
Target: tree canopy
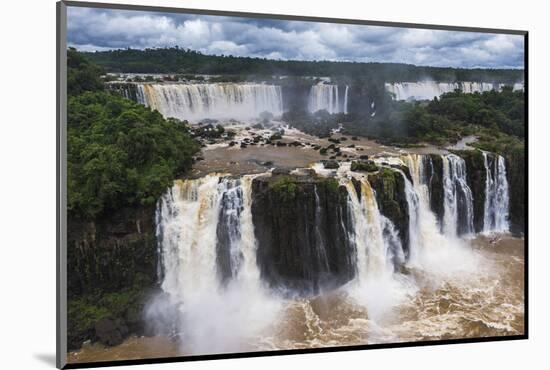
120	153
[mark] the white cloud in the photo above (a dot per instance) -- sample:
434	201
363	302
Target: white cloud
102	29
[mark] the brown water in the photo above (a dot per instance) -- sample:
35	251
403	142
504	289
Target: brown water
487	301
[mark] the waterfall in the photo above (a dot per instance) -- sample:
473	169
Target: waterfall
194	102
325	96
496	210
375	236
346	100
226	275
427	90
319	243
458	202
379	252
428	245
208	255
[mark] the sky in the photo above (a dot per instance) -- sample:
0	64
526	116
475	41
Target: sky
91	29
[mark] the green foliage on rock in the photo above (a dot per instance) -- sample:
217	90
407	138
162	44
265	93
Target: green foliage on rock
285	187
367	166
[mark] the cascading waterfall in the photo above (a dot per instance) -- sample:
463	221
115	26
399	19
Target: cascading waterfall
427	90
219	302
379	251
496	210
429	247
320	247
215	297
194	102
327	97
458	215
346	100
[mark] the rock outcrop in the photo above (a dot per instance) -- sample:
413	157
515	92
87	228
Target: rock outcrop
389	187
515	173
476	176
112	268
302	227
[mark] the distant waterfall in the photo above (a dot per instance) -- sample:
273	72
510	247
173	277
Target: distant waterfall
327	97
427	90
346	100
458	216
211	100
496	210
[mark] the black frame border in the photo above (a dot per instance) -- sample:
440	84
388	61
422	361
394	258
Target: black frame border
61	217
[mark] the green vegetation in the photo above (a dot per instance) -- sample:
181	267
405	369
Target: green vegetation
120	153
367	166
496	118
331	184
82	75
185	61
285	187
84	312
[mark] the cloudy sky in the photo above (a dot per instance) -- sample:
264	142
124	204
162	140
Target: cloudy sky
103	29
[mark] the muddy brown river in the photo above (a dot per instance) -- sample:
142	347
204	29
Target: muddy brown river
484	299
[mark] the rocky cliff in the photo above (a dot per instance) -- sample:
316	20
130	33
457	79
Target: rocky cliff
112	266
302	227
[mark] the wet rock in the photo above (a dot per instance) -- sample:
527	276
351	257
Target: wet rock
280	171
331	165
366	166
389	186
305	213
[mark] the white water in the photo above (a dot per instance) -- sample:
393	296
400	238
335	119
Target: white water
456	190
327	97
194	102
430	249
210	317
427	90
496	210
376	286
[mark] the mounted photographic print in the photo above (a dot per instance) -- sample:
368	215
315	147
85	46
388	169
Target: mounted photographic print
235	184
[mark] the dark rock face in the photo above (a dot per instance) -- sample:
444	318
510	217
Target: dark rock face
433	168
476	176
303	228
515	174
295	96
112	268
111	332
389	187
108	254
128	90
